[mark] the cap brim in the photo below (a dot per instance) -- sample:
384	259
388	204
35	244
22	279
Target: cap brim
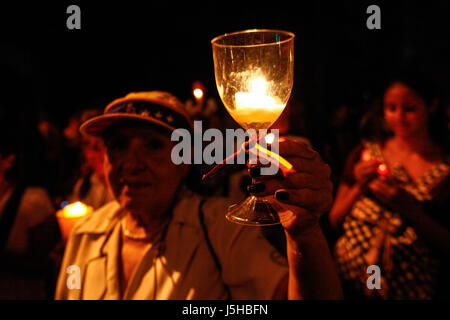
96	126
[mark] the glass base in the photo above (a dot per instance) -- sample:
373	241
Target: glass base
257	211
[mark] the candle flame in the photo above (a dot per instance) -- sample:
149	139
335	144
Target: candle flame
276	157
258	86
382	169
269	138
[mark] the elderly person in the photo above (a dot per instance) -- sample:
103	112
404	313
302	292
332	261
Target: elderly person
157	240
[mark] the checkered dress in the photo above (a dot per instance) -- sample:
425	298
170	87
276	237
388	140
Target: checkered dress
373	235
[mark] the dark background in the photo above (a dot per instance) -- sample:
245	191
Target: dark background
51	72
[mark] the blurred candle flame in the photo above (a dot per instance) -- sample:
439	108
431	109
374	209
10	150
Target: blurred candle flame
269	138
256	98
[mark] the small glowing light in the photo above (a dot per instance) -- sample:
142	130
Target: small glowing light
269	138
259	86
198	93
63	204
75	210
382	169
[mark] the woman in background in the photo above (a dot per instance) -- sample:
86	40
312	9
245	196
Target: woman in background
393	201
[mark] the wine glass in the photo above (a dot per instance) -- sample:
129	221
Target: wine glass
254	71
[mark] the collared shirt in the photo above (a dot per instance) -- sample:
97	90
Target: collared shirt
185	269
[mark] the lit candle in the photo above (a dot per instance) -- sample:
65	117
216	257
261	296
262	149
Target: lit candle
70	215
269	138
256	105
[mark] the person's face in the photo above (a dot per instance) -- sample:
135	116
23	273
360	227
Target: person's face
404	111
93	152
139	169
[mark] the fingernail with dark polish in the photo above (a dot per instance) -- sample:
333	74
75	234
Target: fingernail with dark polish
256	188
255	172
282	195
